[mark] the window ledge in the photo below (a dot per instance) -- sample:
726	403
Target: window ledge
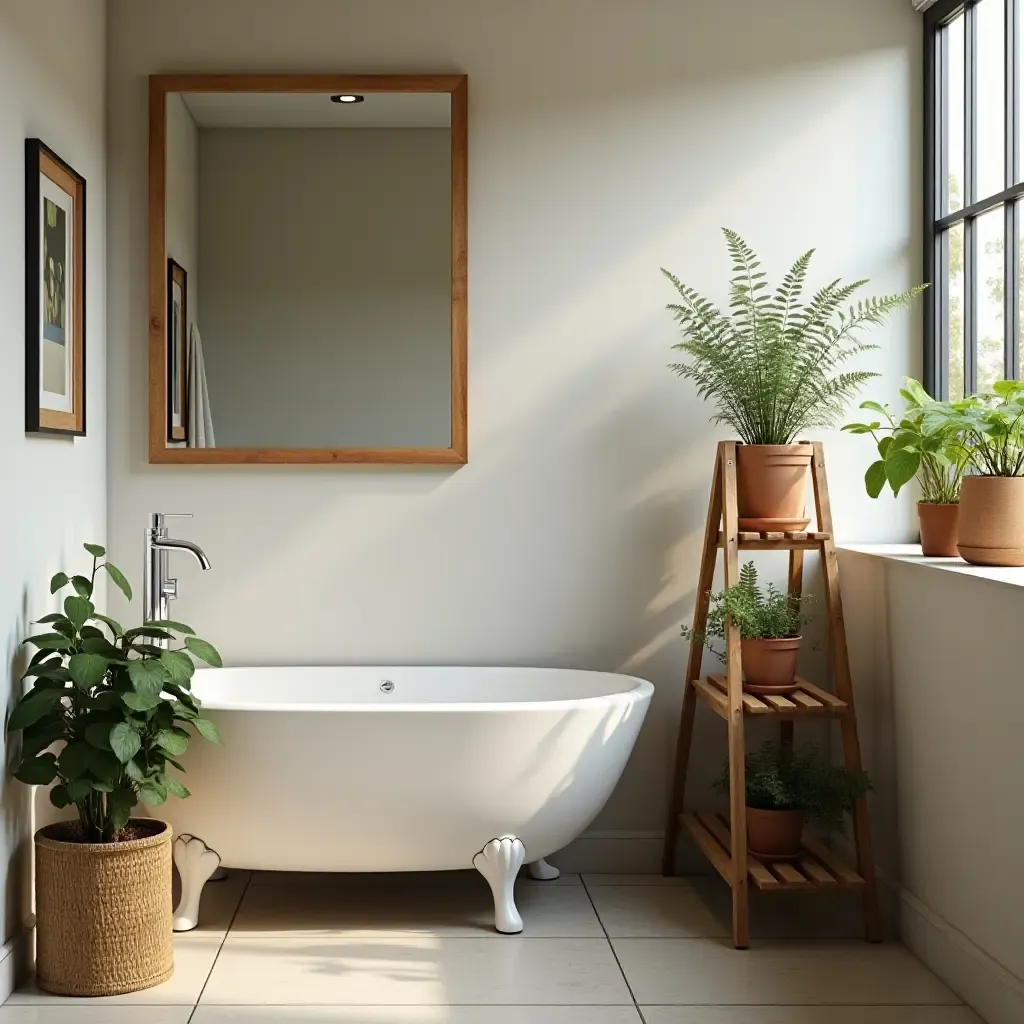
910	554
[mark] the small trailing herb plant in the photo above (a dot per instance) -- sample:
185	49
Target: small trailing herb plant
117	703
783	778
771	615
923	441
772	362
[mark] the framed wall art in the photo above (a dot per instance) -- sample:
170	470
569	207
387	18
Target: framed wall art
177	349
54	294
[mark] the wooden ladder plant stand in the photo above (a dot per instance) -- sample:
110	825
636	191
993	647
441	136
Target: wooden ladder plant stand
724	840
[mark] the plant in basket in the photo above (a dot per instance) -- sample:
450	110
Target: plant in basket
108	712
770	624
788	787
919	444
773	364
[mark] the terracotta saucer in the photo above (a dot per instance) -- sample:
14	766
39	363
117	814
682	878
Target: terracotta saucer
770	691
773	525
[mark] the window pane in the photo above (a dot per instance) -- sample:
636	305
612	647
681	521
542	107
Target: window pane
991	127
955	112
991	230
955	241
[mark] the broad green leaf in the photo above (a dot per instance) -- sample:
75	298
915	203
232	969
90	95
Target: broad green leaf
175	787
80	788
78	610
901	466
59	796
121	802
134	771
153	794
178	627
51	669
49	642
874	478
204	651
101	645
140	702
124	742
874	407
95	550
113	624
74	759
52	617
180	666
118	577
149	631
173	741
91	633
87	670
148	677
83	585
180	767
31	708
207	730
37	738
104	765
58	581
102	787
97	734
37	771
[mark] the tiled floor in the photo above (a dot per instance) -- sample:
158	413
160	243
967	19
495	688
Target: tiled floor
597	949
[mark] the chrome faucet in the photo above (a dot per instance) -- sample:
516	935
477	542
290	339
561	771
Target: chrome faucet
158	587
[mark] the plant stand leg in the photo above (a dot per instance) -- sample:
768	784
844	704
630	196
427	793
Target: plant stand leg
196	863
542	871
499	862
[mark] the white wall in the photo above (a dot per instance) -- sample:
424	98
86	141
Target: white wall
51	87
326	270
607	138
937	672
181	210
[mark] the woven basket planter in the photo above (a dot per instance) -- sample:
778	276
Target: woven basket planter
103	913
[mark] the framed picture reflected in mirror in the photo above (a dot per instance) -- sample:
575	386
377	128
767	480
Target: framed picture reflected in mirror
177	350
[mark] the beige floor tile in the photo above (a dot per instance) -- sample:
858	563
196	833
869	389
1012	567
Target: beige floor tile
708	972
218	904
417	1015
651	911
456	909
86	1013
194	955
809	1015
416	970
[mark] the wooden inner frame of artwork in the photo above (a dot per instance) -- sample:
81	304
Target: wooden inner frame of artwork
38	420
159	88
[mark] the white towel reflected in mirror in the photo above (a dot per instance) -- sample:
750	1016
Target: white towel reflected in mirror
200	421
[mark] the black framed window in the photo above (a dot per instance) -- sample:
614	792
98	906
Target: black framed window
973	194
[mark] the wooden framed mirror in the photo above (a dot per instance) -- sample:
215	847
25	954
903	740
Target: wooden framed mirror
318	224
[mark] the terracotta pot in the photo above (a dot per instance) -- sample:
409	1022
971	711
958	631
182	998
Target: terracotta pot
938	529
771	485
103	912
774	835
991	526
770	665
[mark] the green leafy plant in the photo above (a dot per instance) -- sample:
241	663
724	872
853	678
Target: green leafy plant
990	427
767	615
772	362
118	705
783	778
916	444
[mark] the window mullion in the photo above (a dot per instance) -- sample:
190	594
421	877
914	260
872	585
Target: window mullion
1011	244
970	184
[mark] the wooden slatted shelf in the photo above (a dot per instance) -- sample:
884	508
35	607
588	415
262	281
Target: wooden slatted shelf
789	540
807	700
817	867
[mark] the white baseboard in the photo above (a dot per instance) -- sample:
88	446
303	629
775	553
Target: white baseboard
995	994
14	959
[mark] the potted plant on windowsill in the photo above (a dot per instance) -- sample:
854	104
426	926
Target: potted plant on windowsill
991	428
925	446
788	788
104	718
772	365
769	625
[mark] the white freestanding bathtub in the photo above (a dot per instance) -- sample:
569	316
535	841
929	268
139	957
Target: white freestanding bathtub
400	769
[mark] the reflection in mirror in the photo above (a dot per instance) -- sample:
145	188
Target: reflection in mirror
313	235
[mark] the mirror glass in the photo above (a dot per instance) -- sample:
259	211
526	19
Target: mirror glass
309	270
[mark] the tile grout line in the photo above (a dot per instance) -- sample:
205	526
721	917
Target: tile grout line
608	939
227	932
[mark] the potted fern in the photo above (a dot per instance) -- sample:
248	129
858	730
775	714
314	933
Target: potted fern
769	623
919	444
772	365
785	789
107	713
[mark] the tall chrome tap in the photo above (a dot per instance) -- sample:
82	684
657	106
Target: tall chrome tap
158	587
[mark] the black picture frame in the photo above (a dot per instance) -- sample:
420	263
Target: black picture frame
40	160
175	354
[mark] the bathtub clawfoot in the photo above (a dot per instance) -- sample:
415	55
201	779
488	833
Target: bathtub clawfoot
541	871
195	862
499	862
